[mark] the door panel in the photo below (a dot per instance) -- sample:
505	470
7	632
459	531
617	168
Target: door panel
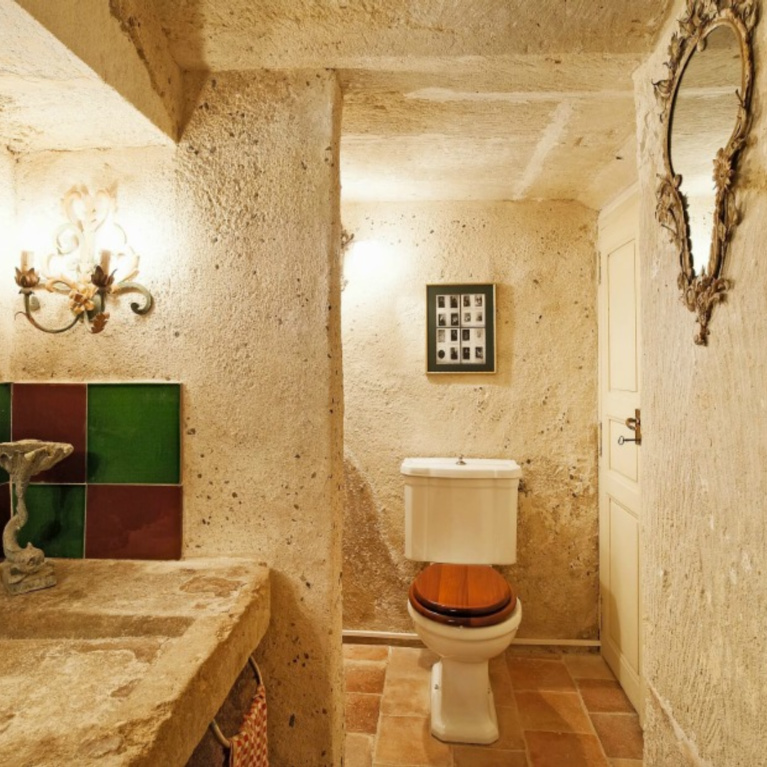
620	465
622	319
623	624
622	459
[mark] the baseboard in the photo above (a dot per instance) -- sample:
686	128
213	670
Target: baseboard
407	639
396	638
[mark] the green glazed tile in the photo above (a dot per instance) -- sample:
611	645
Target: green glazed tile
5	412
5	420
56	520
5	507
134	433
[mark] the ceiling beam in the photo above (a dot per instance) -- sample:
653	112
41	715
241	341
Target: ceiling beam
122	42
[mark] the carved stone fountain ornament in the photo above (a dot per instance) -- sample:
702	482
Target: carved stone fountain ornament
707	91
25	569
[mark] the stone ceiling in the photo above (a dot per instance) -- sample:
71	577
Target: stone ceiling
51	96
443	99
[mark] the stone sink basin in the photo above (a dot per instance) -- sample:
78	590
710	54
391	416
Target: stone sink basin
124	662
72	626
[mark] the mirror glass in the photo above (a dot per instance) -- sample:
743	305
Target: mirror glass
704	118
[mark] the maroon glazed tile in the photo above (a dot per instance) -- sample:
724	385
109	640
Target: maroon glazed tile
133	522
55	412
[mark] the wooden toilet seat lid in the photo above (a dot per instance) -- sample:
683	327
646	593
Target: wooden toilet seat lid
458	592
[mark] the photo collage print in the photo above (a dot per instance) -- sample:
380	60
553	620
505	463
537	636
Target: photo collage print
461	329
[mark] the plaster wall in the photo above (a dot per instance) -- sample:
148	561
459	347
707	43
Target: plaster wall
704	448
7	224
540	407
96	94
247	318
122	42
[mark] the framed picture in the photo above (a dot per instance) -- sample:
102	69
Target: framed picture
460	328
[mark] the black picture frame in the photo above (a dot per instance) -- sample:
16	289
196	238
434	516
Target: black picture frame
460	328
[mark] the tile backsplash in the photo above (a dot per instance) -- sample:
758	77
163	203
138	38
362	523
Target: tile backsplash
119	494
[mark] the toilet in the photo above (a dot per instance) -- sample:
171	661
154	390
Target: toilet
461	517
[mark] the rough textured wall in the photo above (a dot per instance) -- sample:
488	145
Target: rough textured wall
704	449
540	407
9	258
238	229
123	43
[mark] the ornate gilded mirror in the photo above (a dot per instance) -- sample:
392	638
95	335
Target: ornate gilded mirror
706	110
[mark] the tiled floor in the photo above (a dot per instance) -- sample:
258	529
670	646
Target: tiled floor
554	710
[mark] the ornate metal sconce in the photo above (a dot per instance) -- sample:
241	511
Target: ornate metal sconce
76	271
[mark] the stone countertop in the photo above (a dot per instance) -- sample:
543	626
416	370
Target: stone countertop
124	662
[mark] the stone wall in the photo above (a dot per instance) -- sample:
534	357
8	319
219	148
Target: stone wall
704	450
539	408
238	230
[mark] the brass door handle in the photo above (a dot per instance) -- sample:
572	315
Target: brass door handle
635	424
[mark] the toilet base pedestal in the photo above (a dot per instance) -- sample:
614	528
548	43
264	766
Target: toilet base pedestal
462	704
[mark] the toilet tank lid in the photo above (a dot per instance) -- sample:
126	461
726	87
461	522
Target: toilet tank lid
469	468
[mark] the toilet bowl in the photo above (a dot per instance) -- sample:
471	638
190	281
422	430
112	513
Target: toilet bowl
461	516
468	619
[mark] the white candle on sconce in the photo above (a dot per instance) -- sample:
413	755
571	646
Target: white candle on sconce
104	261
27	260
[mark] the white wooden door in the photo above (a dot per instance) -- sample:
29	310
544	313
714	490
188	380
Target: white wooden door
619	465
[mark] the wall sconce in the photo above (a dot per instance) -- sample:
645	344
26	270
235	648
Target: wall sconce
74	270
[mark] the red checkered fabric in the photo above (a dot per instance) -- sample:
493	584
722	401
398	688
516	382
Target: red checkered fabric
249	747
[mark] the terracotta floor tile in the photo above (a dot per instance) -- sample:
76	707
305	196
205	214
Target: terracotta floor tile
364	676
500	681
365	652
539	674
509	729
362	712
587	666
406	695
539	707
476	756
556	749
359	750
620	734
406	740
603	696
410	661
548	711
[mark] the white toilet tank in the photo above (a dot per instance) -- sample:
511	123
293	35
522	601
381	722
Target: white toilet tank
461	512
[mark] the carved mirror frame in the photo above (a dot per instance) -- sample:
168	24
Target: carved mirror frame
700	293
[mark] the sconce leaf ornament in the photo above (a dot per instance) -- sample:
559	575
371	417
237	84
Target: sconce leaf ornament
700	291
73	269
